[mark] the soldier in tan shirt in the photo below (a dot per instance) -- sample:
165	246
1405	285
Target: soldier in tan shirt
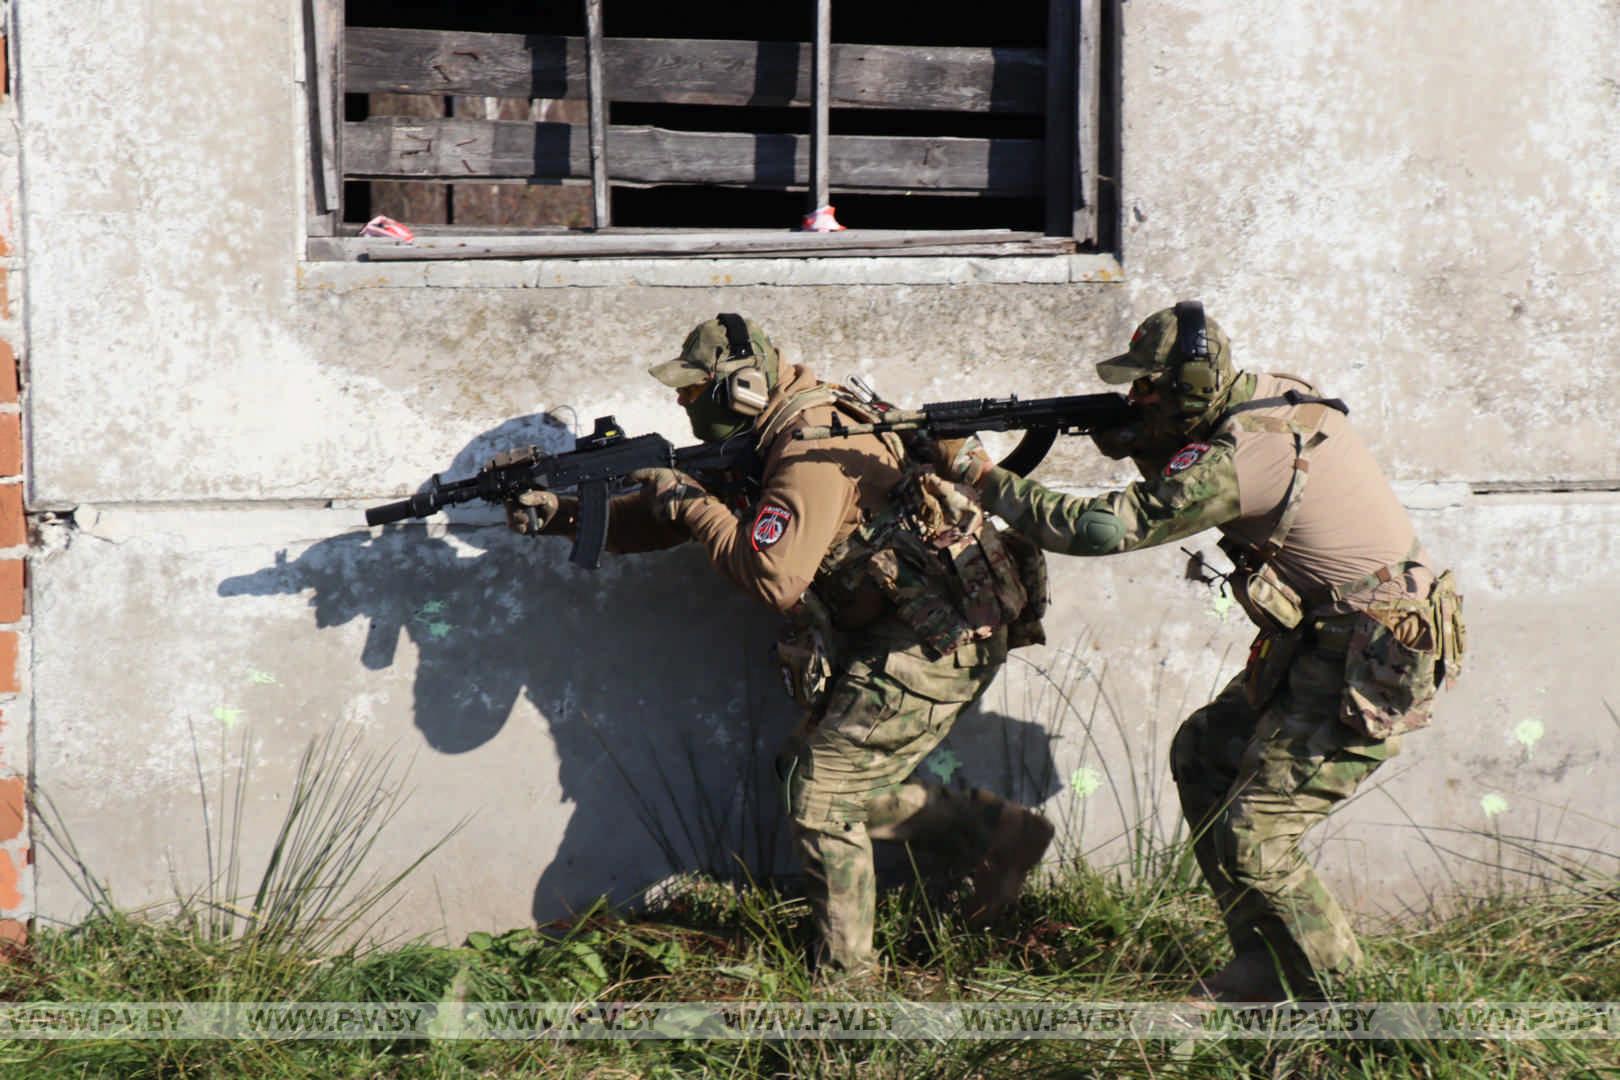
881	652
1356	630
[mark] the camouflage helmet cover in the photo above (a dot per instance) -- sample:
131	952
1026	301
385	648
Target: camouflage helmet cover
706	353
1153	349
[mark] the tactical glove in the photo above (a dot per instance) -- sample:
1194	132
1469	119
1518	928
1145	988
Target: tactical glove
666	492
962	460
538	512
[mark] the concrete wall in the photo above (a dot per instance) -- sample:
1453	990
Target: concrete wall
1411	205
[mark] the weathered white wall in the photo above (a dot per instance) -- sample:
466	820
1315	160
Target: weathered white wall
1410	203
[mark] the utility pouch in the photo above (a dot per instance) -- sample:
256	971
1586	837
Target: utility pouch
1270	656
1267	599
949	574
1389	670
1446	603
804	653
921	601
1030	563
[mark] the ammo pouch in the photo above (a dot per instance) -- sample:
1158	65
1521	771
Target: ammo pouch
1269	601
1389	670
1030	560
805	653
949	574
1446	603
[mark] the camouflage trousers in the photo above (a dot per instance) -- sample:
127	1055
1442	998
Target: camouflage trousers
1252	782
849	783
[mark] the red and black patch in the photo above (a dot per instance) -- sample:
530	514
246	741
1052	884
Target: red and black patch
1186	458
770	525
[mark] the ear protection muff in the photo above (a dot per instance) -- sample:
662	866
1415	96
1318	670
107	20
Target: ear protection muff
1198	377
747	390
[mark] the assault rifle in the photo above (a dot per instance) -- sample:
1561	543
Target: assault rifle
1044	419
597	464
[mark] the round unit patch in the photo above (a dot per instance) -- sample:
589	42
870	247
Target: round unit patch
769	525
1186	457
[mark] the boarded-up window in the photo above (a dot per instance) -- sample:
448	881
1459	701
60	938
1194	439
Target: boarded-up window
939	133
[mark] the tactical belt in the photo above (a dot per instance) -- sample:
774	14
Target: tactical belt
1318	598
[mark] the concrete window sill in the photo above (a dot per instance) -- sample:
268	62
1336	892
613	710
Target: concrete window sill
712	272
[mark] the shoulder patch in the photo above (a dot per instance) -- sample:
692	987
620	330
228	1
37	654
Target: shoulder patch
1186	457
769	525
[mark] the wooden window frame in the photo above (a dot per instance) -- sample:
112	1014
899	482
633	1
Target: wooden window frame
1077	167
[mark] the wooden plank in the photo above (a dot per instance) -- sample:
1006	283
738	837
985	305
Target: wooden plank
741	245
508	233
821	96
697	72
418	204
597	112
332	48
1109	161
498	204
323	35
403	148
1062	120
1088	102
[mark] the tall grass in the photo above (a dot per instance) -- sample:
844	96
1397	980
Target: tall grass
1134	930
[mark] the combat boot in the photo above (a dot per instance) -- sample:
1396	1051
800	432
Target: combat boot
1016	846
1249	976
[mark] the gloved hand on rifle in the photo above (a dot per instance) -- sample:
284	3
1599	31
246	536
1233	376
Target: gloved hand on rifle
538	512
666	492
962	460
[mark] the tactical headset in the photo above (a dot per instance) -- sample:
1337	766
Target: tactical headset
747	390
1197	375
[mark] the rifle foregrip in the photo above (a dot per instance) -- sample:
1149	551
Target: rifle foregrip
591	535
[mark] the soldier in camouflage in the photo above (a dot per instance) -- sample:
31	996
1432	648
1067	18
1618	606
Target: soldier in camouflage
1356	630
902	602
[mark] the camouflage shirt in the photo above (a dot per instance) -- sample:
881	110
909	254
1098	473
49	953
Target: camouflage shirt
1348	522
1197	489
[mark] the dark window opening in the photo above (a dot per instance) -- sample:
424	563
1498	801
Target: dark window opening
460	117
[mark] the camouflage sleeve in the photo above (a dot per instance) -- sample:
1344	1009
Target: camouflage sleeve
1196	490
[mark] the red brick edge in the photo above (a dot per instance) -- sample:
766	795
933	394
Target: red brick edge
16	856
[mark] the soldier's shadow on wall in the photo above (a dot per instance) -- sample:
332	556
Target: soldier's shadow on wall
653	677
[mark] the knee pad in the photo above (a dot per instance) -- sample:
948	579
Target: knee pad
1098	532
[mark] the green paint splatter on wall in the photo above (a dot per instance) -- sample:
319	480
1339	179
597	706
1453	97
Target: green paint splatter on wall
228	715
262	678
426	616
1220	604
943	763
1085	780
1493	804
1529	732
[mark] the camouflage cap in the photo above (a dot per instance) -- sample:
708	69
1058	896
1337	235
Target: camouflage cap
1152	347
706	353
